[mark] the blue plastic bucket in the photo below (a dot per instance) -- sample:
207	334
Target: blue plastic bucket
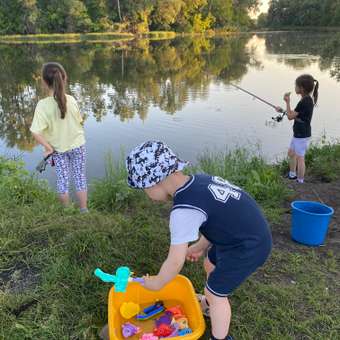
310	221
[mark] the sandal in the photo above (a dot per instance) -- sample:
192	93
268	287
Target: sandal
204	304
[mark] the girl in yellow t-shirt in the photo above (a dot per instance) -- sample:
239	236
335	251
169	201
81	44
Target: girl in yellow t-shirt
57	126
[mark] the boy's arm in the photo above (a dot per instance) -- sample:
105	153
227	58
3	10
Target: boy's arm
170	268
202	243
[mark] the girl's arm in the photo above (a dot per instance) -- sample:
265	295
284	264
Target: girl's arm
170	268
41	140
291	114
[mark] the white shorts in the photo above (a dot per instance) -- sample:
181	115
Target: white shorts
299	145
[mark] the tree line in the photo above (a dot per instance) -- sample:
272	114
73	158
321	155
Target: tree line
283	13
61	16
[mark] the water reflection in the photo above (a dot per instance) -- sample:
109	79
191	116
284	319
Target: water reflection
122	82
127	81
300	50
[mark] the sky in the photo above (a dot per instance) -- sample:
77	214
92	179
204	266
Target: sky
264	6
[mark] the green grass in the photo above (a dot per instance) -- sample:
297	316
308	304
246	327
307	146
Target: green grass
47	287
323	161
62	38
249	170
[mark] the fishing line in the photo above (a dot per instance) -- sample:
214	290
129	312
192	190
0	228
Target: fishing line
278	118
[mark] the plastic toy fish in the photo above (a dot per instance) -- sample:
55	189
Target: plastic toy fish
120	280
128	329
151	311
182	323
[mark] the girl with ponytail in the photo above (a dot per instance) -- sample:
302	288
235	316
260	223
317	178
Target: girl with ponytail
308	88
57	126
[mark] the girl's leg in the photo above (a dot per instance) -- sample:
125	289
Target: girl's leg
301	168
220	314
292	162
61	162
78	168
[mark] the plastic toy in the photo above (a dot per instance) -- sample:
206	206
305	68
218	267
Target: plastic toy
164	319
182	323
175	330
120	280
151	311
175	311
129	309
149	336
179	289
128	329
184	331
163	331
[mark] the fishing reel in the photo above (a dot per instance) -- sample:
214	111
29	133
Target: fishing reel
279	118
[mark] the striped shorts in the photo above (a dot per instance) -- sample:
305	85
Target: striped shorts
70	163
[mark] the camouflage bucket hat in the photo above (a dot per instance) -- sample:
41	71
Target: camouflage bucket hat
150	163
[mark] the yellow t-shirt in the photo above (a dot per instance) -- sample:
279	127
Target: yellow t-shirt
63	134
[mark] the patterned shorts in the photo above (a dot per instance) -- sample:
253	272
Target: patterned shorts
67	163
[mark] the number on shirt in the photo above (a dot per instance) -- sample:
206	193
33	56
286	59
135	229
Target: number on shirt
222	190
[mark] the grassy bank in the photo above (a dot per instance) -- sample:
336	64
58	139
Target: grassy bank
82	37
48	255
103	37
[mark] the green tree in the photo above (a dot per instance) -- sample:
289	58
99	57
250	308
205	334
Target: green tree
98	11
165	13
18	16
59	16
303	13
222	11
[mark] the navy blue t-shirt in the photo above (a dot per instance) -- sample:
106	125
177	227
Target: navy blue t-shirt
302	125
233	218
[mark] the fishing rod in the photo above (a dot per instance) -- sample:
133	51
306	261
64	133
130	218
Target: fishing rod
278	118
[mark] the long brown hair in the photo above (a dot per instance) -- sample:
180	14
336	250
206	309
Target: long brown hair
55	77
309	85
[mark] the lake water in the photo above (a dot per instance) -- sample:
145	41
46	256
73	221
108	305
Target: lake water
174	90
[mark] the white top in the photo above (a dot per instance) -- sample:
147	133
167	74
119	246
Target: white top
184	225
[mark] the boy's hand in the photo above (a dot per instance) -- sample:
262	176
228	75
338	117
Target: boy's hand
194	253
286	97
152	283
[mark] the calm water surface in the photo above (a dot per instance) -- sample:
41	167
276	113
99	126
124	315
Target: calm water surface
174	90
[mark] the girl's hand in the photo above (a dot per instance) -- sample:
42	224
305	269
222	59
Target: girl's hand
48	151
279	109
286	97
194	253
152	283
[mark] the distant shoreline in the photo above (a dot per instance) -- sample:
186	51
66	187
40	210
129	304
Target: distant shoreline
300	29
123	37
102	37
